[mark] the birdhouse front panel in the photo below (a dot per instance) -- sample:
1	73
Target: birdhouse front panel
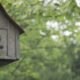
9	38
3	36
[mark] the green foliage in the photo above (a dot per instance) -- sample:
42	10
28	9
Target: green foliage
43	57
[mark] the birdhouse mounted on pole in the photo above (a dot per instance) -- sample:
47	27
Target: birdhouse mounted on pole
9	38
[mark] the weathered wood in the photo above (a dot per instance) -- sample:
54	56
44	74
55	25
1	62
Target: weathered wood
9	38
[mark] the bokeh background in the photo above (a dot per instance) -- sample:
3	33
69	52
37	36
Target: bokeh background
50	46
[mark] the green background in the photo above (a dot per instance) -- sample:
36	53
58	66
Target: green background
46	53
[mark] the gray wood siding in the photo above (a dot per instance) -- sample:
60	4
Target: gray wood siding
11	41
3	21
3	33
3	42
17	45
12	45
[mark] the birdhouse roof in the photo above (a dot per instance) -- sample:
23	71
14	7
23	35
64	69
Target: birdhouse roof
10	19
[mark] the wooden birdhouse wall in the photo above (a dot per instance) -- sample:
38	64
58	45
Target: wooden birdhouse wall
9	39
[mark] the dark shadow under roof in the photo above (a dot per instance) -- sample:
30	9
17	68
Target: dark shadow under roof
11	20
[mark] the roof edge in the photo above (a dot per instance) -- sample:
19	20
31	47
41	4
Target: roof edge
10	19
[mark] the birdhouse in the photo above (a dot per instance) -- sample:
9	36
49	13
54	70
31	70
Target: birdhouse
9	38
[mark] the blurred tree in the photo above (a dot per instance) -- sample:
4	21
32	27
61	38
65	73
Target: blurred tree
50	46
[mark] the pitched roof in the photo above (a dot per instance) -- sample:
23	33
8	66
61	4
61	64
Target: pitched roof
11	20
